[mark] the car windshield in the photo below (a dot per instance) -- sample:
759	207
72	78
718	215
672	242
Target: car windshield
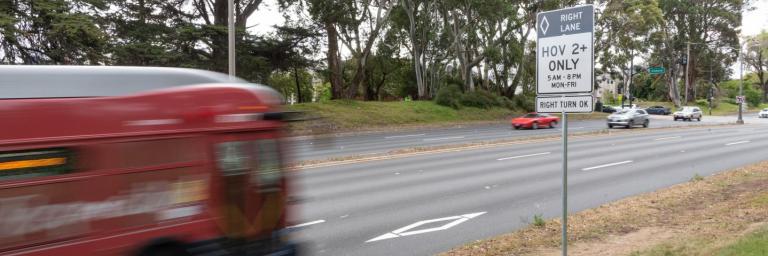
686	109
765	109
623	111
530	116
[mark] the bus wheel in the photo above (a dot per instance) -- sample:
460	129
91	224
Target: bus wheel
164	248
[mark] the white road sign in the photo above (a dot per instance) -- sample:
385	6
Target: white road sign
564	54
570	103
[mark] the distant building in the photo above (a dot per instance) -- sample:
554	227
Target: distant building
606	85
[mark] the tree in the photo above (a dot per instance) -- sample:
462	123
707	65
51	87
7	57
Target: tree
360	40
140	35
756	56
625	29
52	32
710	23
214	17
418	13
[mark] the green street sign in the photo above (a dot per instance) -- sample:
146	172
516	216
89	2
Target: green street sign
656	70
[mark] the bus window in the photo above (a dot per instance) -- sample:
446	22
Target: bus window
232	157
268	163
35	163
156	152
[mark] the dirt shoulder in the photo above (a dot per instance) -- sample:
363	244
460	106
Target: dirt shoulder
694	218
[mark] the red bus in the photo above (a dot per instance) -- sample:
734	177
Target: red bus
139	161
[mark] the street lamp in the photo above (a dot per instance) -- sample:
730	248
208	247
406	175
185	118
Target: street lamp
231	38
741	87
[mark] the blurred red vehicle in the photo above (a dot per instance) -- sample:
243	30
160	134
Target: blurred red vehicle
535	121
140	161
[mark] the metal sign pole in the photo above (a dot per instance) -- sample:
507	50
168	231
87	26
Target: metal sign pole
565	184
231	38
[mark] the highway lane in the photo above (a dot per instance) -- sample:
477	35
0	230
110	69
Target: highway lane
309	148
363	208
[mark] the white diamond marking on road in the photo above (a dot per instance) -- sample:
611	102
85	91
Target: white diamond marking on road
406	231
544	25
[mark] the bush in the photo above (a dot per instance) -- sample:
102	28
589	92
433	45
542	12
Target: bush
753	97
696	177
702	103
449	96
524	102
480	99
507	103
538	220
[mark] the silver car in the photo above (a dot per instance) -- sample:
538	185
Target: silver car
628	118
763	113
688	113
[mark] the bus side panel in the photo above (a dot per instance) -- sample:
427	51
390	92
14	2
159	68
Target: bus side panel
109	207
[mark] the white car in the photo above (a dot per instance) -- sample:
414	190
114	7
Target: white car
763	113
688	113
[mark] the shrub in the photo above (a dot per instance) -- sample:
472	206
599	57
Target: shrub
702	103
507	103
480	99
538	220
697	177
449	96
753	97
524	102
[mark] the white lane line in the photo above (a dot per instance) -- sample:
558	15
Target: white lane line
404	136
515	157
571	128
606	165
445	138
737	143
307	224
668	138
407	230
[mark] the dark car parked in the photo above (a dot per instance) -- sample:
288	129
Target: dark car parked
608	109
658	110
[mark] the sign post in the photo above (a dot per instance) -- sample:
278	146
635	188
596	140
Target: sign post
565	73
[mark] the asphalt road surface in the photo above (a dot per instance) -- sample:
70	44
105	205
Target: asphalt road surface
426	204
309	148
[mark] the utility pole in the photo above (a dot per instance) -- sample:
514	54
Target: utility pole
687	69
711	95
631	70
231	32
741	87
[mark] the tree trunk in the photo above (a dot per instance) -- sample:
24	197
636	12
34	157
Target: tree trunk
410	9
334	65
298	85
674	94
357	79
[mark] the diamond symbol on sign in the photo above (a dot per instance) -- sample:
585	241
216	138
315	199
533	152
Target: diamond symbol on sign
406	231
544	25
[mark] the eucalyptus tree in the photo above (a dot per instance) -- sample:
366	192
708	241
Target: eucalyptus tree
756	56
705	25
625	27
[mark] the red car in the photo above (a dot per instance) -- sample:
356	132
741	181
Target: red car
535	121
